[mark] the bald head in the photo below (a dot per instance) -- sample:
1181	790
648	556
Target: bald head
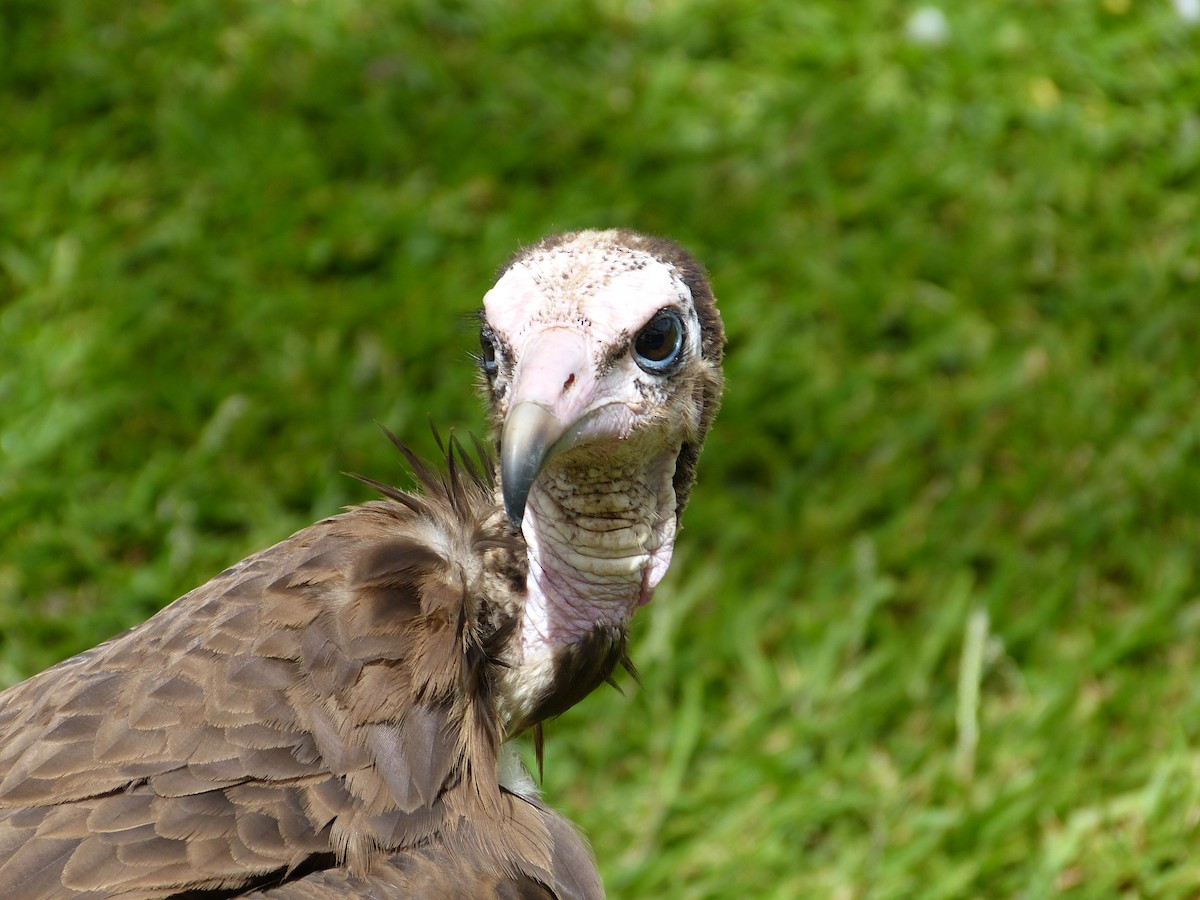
595	338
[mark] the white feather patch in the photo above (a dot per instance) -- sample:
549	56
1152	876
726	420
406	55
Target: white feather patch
512	774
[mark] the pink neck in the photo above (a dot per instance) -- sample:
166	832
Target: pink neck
600	540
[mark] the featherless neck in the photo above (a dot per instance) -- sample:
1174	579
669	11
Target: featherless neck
600	531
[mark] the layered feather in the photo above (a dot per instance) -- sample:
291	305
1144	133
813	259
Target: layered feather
320	718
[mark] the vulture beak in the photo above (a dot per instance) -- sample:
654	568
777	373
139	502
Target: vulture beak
530	432
552	387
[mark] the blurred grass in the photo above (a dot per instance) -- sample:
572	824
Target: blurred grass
960	282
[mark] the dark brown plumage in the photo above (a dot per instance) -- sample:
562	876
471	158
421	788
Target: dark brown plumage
325	718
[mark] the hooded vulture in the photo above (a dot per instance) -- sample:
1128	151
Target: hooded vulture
326	718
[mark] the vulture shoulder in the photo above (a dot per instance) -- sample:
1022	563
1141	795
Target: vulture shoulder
318	720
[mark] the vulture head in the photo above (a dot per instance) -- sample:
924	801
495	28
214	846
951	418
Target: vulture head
601	359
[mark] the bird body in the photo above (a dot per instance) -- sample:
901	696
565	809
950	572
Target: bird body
326	717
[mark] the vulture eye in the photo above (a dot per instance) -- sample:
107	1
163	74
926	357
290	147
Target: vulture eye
657	346
487	355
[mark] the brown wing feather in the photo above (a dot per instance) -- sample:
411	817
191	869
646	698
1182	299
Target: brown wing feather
542	857
297	721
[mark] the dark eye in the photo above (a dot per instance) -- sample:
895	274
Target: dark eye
657	346
487	355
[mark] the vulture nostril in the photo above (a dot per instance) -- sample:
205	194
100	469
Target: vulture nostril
570	381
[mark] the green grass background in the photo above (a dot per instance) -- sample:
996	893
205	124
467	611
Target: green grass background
933	623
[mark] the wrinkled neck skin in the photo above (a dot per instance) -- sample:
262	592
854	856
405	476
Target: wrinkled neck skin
600	528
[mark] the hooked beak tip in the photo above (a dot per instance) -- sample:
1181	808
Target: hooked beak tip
515	517
526	442
514	502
